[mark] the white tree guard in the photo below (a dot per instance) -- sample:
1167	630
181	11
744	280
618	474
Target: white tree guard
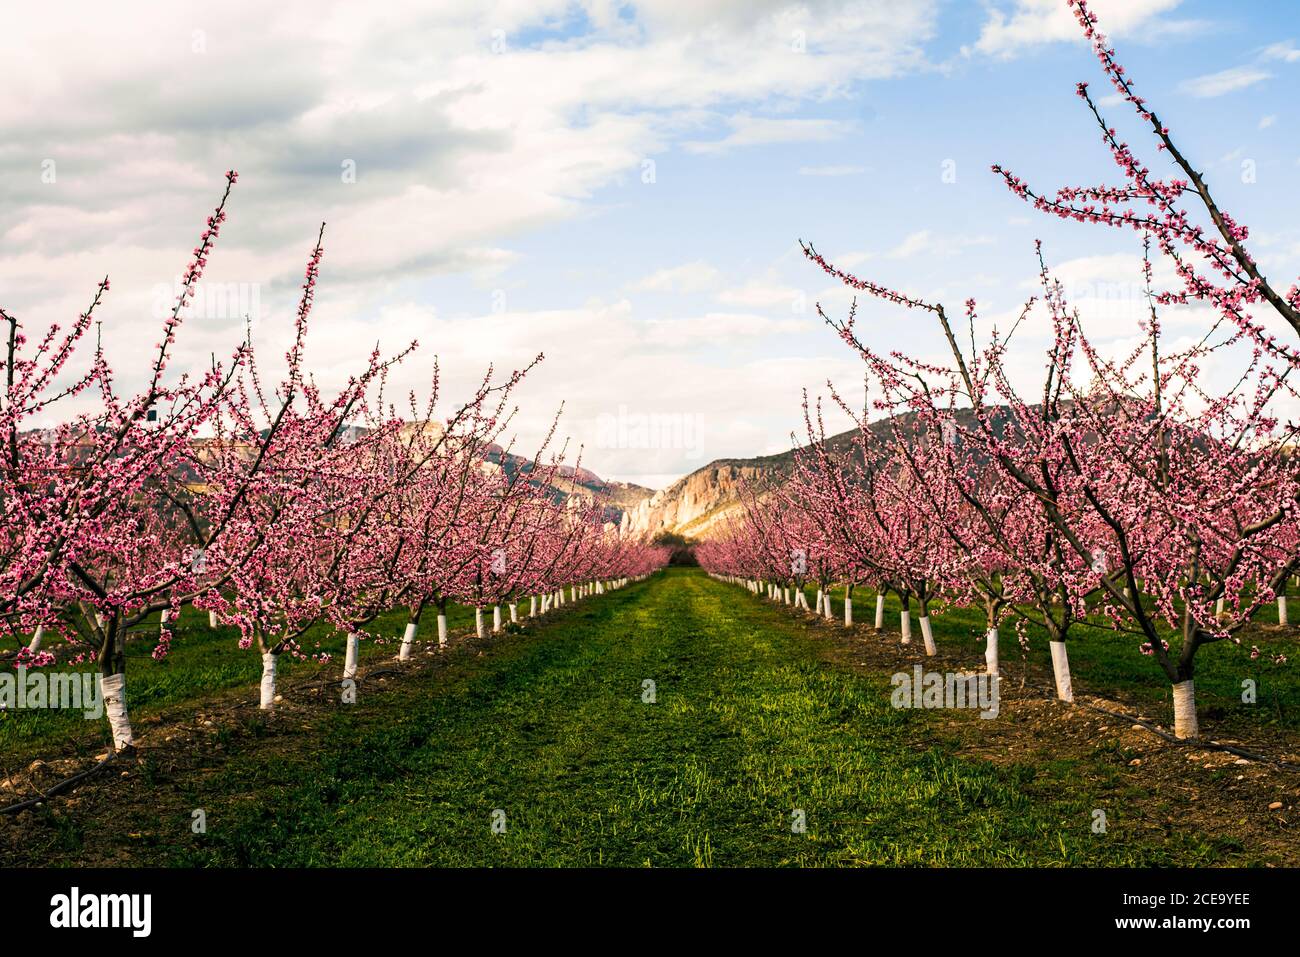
1061	671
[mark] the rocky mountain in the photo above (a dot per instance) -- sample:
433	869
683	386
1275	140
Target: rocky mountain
619	496
695	505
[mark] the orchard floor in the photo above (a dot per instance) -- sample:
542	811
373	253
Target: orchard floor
540	747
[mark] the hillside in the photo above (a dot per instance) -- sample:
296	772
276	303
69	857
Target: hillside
694	505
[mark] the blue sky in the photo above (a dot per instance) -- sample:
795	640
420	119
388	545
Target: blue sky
500	204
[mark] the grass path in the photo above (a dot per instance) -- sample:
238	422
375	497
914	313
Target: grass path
549	727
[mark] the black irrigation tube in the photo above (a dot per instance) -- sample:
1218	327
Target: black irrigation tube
64	785
1196	742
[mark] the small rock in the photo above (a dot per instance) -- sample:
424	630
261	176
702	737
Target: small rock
207	724
1135	762
1138	727
126	774
1275	806
279	697
1241	761
35	766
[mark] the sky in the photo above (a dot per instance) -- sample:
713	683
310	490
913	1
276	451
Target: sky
620	186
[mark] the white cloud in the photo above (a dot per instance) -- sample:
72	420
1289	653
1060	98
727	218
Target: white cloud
459	151
763	294
1011	28
749	130
719	328
1284	51
689	277
1225	81
923	241
1266	121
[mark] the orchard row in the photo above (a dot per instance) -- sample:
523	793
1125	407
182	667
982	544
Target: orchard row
275	506
1152	485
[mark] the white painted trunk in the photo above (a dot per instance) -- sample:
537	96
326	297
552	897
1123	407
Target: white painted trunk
1061	671
848	612
478	622
991	652
514	613
266	697
496	618
532	606
112	690
35	644
442	631
1218	606
905	623
826	607
212	619
408	639
1281	610
819	602
1185	723
927	635
350	659
880	613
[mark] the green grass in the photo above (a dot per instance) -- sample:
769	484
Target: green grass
750	726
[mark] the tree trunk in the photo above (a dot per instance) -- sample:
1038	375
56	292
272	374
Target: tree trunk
350	658
266	691
991	651
112	690
1061	671
408	639
1185	723
112	683
927	636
